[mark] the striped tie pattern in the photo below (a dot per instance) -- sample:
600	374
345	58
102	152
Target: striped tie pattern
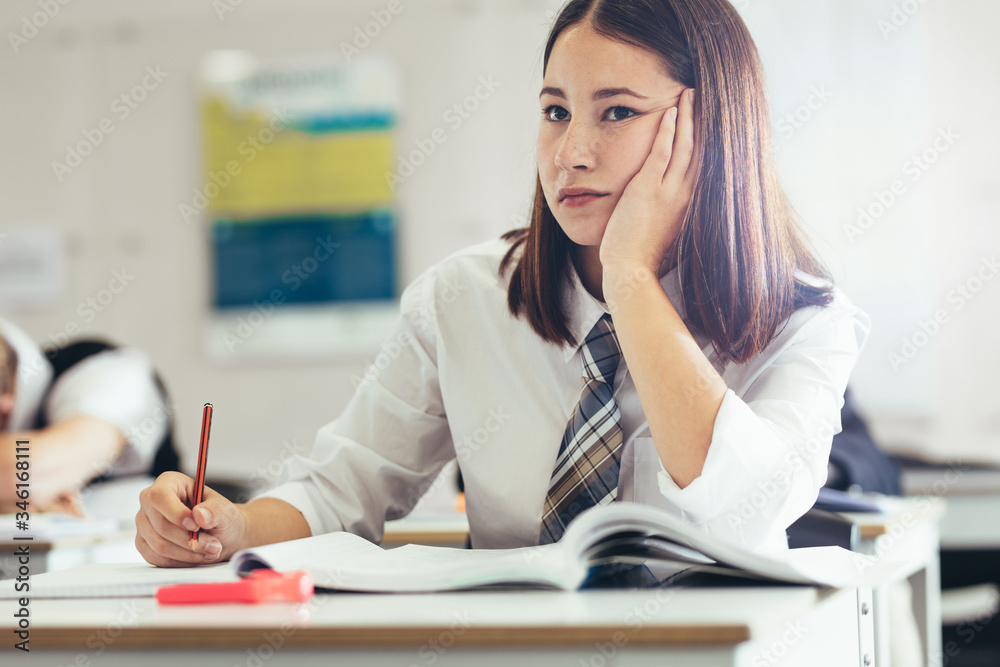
586	470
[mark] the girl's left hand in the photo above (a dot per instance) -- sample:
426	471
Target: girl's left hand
649	215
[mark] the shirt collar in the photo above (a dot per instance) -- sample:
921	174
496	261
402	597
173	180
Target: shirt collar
583	310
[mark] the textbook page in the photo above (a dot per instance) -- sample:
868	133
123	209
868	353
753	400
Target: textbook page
824	566
347	562
107	580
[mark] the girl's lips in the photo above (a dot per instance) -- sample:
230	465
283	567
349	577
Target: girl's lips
576	201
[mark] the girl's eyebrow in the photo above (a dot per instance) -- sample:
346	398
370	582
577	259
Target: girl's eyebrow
601	94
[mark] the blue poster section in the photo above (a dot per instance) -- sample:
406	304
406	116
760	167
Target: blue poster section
305	259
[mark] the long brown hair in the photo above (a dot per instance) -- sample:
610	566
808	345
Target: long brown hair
739	248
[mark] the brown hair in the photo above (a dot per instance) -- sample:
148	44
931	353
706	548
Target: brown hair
739	247
8	367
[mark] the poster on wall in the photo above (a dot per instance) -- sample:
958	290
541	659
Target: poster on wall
300	218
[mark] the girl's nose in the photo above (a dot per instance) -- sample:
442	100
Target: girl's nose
577	148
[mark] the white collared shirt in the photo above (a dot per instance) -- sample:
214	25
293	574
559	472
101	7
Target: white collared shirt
460	377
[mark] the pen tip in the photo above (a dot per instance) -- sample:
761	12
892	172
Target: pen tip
192	544
208	405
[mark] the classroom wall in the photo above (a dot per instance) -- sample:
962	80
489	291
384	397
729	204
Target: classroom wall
876	99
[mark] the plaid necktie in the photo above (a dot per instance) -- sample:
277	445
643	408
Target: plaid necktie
586	471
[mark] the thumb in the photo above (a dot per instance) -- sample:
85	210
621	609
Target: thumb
214	511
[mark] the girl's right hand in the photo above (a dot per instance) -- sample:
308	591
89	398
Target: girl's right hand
164	520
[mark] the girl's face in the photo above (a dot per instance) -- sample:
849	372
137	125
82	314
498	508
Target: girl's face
601	102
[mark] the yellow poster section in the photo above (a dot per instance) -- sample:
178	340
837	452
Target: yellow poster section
260	165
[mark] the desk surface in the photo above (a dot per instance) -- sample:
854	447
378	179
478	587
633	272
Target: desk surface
661	617
904	513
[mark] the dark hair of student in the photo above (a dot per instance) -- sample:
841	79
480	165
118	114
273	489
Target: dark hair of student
740	247
8	367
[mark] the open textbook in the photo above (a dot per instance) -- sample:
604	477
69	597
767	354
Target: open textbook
620	532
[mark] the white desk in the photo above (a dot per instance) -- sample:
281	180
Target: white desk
743	627
909	535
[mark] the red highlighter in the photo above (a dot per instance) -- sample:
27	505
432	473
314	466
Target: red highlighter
259	586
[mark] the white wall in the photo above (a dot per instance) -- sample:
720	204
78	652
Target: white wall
119	209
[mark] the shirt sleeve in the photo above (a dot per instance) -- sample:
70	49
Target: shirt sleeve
770	446
117	386
377	459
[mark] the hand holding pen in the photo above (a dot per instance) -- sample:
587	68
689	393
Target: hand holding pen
182	522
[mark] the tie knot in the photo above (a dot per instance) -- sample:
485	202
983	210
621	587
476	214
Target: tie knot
601	353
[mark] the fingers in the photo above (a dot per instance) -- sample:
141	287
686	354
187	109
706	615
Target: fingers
216	511
683	141
163	522
67	503
663	147
159	549
169	496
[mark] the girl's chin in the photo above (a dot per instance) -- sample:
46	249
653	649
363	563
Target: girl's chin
589	235
583	230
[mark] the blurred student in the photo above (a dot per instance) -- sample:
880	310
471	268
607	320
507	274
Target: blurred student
88	410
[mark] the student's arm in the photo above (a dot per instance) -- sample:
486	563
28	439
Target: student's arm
680	391
372	463
62	458
743	467
164	519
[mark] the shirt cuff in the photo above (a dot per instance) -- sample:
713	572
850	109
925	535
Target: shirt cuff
747	459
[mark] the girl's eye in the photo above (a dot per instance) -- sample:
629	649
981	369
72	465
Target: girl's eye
547	112
623	110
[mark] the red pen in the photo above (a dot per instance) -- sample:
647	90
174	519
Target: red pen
199	478
259	586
